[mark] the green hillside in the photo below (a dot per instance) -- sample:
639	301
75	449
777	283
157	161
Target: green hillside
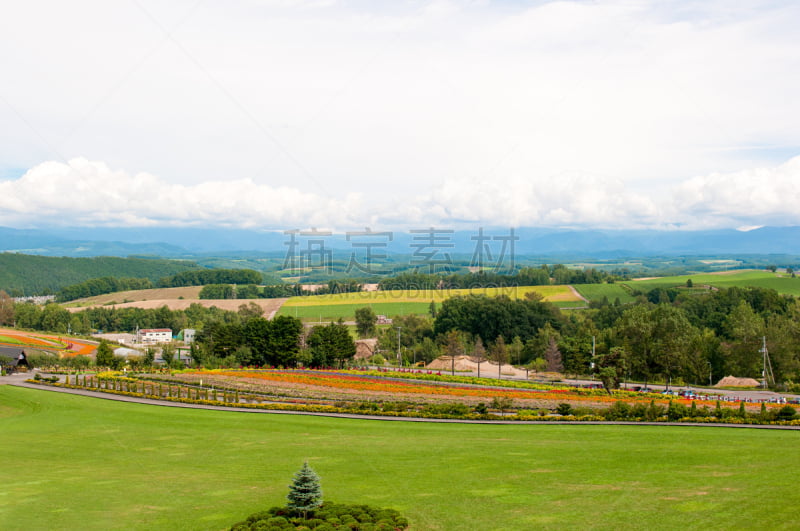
84	463
780	282
22	274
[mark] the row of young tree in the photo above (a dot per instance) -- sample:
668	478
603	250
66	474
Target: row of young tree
694	338
283	341
195	277
100	286
526	276
55	318
273	291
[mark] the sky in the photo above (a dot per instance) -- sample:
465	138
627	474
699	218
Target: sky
281	114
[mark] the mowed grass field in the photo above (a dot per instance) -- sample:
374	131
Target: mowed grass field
598	291
346	312
84	463
404	302
780	282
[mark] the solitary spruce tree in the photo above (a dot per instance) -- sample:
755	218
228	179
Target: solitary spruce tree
305	492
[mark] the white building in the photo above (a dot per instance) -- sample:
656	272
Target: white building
154	335
188	335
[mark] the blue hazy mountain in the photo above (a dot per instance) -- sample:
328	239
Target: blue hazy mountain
188	242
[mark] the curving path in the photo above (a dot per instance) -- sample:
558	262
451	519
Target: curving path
19	381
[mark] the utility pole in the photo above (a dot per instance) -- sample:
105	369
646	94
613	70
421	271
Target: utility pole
591	363
766	371
398	346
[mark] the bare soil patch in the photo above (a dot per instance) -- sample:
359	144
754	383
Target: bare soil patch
270	306
465	364
733	381
186	292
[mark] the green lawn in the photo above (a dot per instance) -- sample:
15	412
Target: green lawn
598	291
82	463
763	279
347	312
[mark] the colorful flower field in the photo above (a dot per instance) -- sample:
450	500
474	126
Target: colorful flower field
389	386
65	347
401	395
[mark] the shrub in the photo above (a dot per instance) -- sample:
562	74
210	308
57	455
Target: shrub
676	411
454	409
330	516
786	413
618	411
564	409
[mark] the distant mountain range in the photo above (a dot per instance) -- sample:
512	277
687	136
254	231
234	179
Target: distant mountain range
602	244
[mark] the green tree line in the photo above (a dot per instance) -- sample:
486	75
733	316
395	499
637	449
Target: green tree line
526	276
24	275
693	338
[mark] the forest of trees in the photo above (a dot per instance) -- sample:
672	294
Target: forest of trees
100	286
201	277
678	335
527	276
24	275
693	338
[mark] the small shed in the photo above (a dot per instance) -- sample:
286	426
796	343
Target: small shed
12	359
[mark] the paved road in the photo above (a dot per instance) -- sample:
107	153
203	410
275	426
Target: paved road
15	378
108	396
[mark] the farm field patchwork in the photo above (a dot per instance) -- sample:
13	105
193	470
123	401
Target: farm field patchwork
83	463
187	292
404	302
550	293
333	312
757	278
596	292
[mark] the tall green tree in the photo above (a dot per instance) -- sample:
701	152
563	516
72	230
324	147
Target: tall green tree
104	356
453	347
168	354
499	354
610	368
284	341
6	309
673	339
746	328
55	318
515	350
330	345
365	322
305	492
636	328
478	354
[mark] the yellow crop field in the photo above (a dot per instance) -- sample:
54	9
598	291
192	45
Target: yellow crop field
550	293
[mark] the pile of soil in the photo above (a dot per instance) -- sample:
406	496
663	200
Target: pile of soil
465	363
733	381
365	348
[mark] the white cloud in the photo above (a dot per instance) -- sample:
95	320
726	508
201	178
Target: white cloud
758	196
540	112
83	192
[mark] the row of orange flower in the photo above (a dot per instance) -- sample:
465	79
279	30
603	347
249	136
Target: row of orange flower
359	383
342	381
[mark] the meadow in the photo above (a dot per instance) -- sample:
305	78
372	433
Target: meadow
596	292
404	302
781	283
332	312
84	463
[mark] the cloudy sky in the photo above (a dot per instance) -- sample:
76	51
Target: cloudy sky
343	114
